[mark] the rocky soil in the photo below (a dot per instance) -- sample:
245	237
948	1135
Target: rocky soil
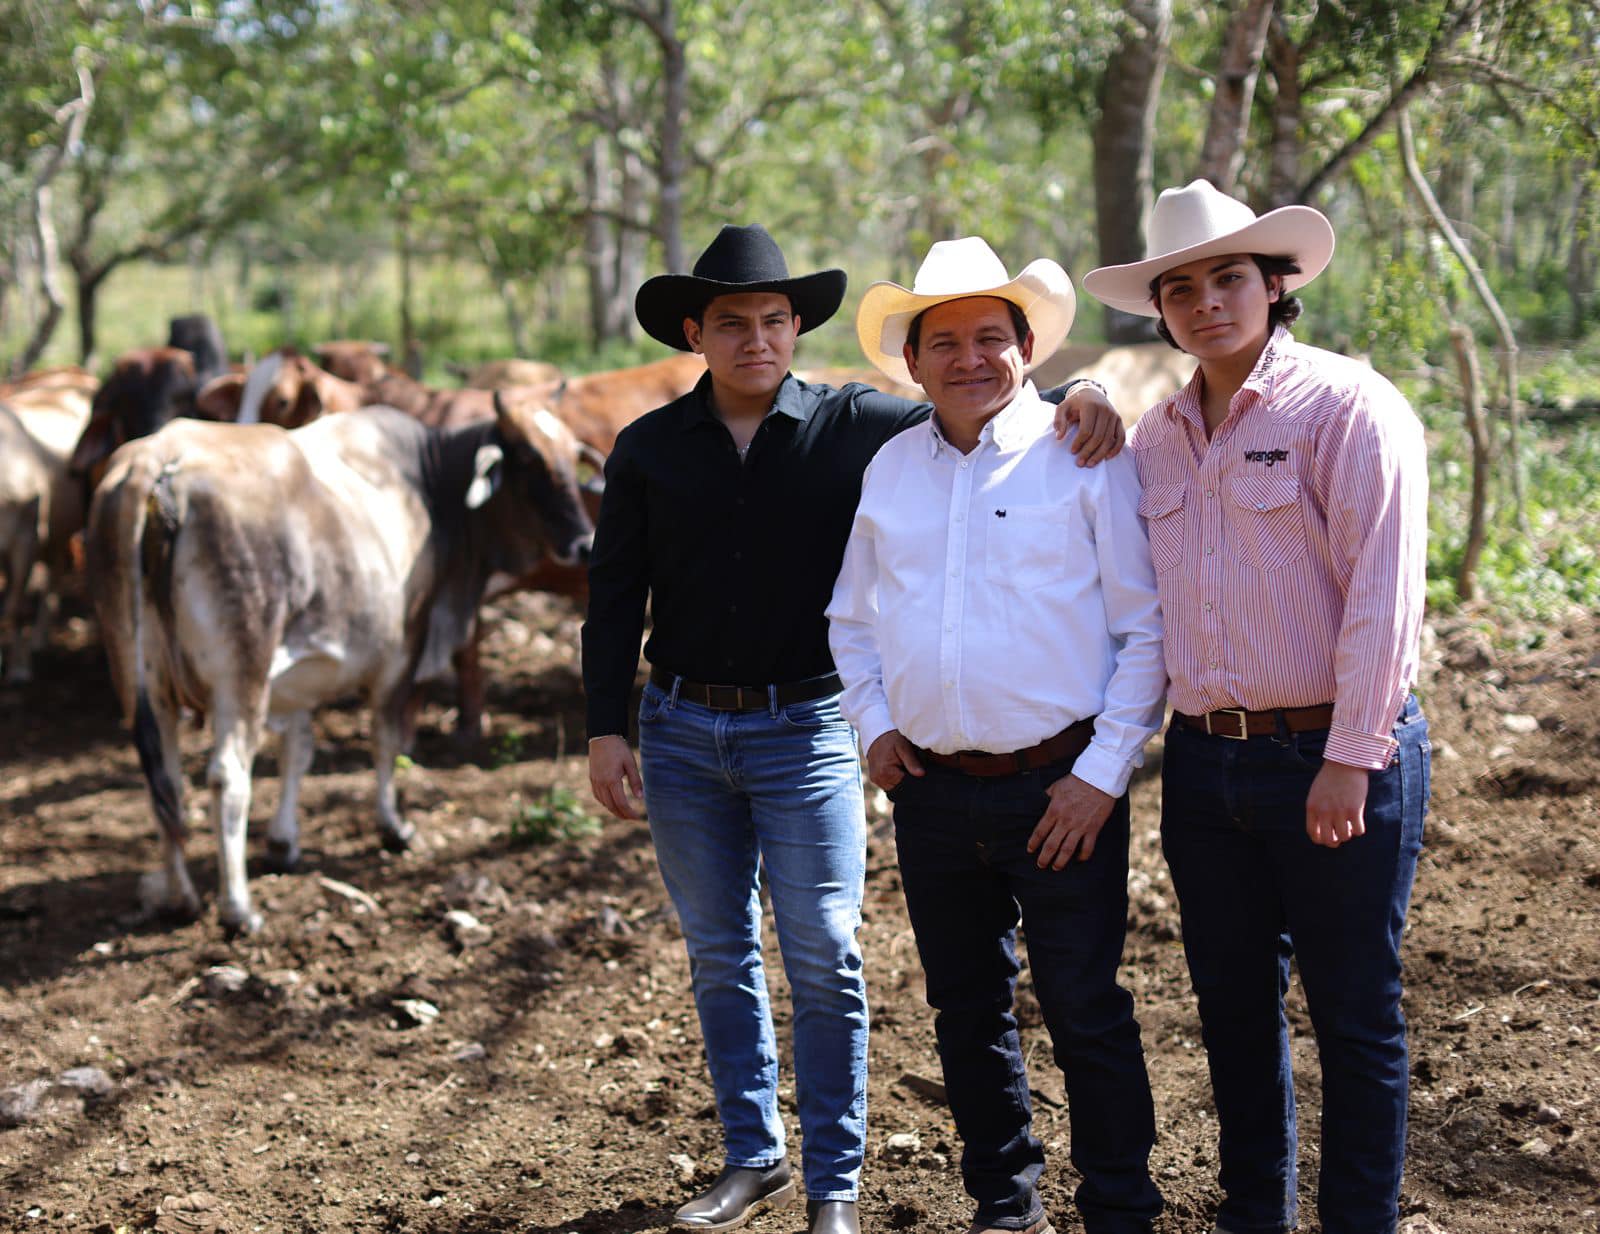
494	1034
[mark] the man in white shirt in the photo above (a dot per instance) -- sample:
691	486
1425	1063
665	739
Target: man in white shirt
997	631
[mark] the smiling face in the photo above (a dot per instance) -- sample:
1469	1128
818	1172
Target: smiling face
748	342
1217	307
969	358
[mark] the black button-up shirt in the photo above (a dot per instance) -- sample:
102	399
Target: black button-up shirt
738	557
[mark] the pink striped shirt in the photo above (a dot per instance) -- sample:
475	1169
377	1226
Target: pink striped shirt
1290	549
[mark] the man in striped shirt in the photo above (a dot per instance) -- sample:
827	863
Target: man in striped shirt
1285	490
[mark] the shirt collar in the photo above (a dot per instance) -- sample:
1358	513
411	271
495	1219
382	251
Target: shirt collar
1014	426
794	399
1186	403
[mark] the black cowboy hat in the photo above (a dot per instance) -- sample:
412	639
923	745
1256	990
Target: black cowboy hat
739	260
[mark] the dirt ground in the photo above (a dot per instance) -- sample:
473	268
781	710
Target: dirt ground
294	1081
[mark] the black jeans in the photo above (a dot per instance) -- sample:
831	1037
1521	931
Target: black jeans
968	880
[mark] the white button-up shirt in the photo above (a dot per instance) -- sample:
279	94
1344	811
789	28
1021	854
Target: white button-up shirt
987	601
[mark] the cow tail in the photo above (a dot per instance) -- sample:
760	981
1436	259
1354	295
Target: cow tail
154	530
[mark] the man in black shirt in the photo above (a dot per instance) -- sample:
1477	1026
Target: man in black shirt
729	510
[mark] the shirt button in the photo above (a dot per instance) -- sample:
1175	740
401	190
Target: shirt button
1213	664
1208	606
1209	550
1261	505
733	608
963	464
1211	492
949	629
737	555
949	685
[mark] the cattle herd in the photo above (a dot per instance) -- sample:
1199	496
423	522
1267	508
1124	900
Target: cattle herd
252	555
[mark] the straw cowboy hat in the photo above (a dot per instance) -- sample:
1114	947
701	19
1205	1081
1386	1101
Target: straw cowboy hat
954	270
739	260
1199	221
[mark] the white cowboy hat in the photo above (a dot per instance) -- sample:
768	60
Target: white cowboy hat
1199	221
954	270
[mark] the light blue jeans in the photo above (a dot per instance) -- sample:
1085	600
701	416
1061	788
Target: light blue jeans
731	794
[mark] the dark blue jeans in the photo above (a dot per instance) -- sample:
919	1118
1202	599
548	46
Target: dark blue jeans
1255	890
968	879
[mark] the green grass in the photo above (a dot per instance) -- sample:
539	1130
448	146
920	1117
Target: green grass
556	815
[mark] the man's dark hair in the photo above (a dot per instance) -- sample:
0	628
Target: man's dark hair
1019	321
1285	310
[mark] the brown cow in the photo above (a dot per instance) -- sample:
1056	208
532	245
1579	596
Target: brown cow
147	388
253	573
498	374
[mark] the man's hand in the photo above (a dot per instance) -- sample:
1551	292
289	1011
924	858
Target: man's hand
1336	804
890	759
612	773
1100	432
1072	823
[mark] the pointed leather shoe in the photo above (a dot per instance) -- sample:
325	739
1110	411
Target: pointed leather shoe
832	1217
739	1193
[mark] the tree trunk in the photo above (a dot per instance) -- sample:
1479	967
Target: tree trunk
1580	258
410	348
1124	157
630	247
74	116
1508	340
90	278
599	247
1244	40
1478	434
674	115
1283	57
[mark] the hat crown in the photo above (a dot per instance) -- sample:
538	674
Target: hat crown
742	255
954	267
1192	215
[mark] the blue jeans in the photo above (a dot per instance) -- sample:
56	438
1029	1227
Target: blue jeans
968	880
1254	890
733	794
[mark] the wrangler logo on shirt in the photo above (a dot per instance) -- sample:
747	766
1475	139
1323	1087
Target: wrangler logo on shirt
1269	457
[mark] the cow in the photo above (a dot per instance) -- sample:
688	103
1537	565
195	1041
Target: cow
861	376
497	374
363	364
148	387
41	503
255	573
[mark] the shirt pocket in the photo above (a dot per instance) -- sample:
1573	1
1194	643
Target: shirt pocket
1028	546
1161	507
1272	526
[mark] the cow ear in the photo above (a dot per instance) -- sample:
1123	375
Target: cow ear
99	439
486	471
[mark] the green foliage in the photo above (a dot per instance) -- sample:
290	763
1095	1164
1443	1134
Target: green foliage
555	816
1554	567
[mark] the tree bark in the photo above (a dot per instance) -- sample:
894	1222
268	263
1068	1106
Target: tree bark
74	116
1478	434
1508	340
599	247
1580	257
1283	58
674	116
1243	42
1124	156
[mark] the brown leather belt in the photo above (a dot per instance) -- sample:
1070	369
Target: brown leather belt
1238	723
745	698
1068	743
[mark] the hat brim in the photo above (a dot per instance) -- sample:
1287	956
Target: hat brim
664	301
1299	233
1042	291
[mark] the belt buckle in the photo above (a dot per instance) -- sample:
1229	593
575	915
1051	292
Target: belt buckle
1244	723
717	698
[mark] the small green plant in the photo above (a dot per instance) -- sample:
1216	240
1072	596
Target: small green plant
556	814
507	748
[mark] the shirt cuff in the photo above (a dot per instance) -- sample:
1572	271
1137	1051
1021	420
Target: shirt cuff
1103	770
607	718
1354	748
874	724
